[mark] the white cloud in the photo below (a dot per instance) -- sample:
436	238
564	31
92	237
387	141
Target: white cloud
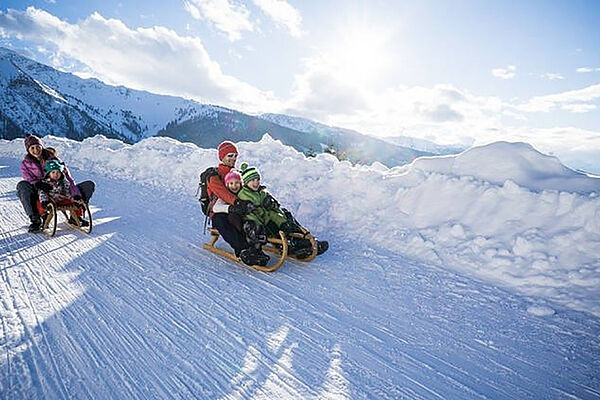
505	73
552	101
142	58
321	94
553	76
282	13
587	69
579	107
226	16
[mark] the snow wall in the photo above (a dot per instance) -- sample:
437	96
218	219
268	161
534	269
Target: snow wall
503	212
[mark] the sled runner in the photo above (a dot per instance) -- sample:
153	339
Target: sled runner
76	212
278	246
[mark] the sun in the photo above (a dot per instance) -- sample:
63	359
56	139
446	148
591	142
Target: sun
361	53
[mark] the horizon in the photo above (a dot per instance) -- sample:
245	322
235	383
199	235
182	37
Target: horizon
463	73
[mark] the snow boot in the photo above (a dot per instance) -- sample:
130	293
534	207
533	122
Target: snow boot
300	248
322	246
36	224
84	223
253	256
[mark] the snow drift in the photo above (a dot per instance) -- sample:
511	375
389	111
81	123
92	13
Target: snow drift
503	212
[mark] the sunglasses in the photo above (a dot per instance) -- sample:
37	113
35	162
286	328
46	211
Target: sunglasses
231	155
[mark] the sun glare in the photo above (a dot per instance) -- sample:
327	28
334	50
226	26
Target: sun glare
361	54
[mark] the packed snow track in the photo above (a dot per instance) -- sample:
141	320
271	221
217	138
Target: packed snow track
137	310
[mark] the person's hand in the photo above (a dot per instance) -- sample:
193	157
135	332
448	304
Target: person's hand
270	203
78	199
241	207
43	186
45	204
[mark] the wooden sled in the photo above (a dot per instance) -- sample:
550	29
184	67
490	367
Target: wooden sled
75	210
278	246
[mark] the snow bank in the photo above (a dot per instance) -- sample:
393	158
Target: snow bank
502	212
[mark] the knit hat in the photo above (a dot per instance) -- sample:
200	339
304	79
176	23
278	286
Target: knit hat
53	165
232	175
31	140
249	173
225	148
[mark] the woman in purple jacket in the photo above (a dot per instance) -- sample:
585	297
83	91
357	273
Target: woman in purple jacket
32	170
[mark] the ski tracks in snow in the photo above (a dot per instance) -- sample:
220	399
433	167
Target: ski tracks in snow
138	310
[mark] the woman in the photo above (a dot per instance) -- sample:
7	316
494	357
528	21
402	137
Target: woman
32	171
216	190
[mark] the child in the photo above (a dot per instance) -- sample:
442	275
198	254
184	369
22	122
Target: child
268	218
233	182
57	186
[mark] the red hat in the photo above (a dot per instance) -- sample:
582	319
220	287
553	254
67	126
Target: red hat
232	175
225	148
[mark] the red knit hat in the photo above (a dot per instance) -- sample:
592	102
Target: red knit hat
232	175
31	140
225	148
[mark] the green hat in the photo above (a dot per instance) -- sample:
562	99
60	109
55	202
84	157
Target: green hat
249	173
53	165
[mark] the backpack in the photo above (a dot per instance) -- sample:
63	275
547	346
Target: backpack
204	198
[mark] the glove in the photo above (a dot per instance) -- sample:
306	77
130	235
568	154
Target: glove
43	186
78	199
241	207
270	203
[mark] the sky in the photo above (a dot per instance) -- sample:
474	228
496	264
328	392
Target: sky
466	72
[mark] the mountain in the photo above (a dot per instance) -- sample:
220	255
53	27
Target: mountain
38	98
425	145
357	146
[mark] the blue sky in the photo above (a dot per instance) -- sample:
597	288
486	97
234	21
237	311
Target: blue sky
451	71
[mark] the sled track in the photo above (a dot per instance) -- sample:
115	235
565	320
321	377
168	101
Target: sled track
138	310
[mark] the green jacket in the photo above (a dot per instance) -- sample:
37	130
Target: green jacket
261	215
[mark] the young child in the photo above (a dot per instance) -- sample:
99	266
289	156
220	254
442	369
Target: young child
268	218
233	182
57	184
57	188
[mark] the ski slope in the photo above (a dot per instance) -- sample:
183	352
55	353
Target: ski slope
138	310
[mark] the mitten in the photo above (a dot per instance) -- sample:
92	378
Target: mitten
43	186
270	203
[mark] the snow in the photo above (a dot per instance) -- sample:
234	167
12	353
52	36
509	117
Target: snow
446	278
493	212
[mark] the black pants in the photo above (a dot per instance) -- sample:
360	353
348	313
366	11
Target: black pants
29	195
231	235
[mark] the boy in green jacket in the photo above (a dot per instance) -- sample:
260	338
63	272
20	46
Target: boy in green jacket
267	218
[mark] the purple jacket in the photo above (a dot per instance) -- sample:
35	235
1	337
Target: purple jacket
32	170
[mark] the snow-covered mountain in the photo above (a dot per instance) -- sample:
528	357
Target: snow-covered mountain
358	146
425	145
461	277
38	98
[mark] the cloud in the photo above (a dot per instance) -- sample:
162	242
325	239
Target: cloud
227	17
573	99
587	69
155	59
553	76
441	113
505	73
579	107
283	14
319	92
